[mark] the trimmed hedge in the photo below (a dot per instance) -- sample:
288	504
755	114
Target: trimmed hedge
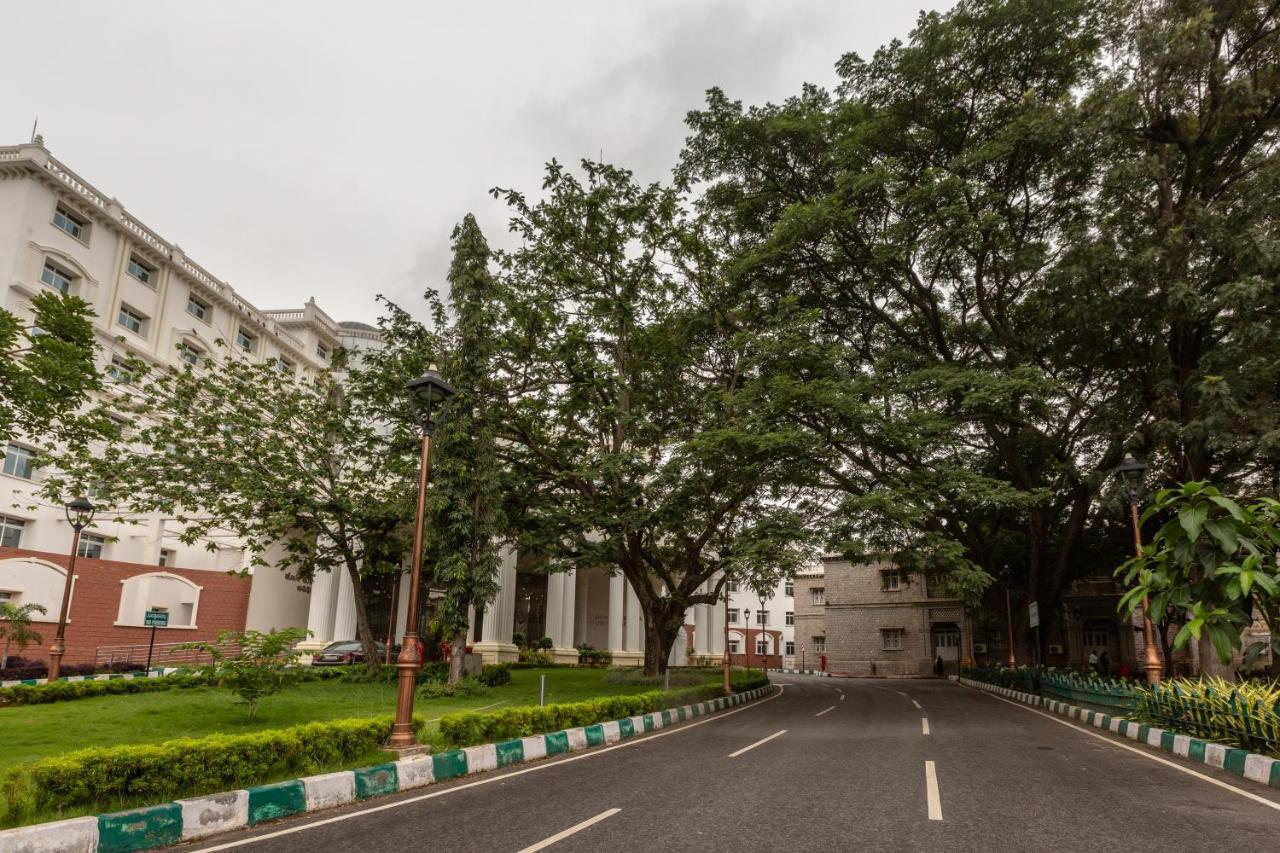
65	691
108	778
470	728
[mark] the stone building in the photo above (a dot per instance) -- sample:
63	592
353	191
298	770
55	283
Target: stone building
871	619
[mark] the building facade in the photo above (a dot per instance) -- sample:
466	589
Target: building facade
152	302
872	619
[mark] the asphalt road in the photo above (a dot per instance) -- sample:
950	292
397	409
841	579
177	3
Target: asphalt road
857	767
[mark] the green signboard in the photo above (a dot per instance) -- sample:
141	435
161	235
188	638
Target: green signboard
156	619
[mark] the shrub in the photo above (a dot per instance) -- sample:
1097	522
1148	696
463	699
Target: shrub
679	677
108	778
258	667
589	656
1245	715
518	639
495	675
546	643
386	674
531	658
470	728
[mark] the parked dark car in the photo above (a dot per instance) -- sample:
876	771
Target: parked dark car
345	652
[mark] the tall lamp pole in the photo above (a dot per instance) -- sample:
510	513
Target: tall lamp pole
428	394
1130	474
80	513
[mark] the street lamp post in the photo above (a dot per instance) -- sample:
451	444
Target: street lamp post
80	513
1130	474
428	393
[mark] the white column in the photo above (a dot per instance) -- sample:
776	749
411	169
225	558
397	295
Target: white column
635	621
344	619
489	626
715	642
402	607
471	623
506	594
568	605
701	628
320	607
555	610
617	595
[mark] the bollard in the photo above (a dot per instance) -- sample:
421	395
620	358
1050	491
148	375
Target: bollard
542	690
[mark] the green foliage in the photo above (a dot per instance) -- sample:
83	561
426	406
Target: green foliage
470	728
495	675
589	656
1245	715
108	778
1213	559
546	643
299	468
676	677
530	658
65	691
15	628
259	665
47	376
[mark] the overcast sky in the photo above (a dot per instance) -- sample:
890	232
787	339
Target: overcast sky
326	149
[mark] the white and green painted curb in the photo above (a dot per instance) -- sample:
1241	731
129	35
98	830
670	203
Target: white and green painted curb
112	676
817	672
1249	765
199	817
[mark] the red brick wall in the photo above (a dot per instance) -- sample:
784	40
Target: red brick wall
224	601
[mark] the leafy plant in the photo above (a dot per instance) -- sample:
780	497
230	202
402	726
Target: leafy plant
1215	560
15	628
258	666
1245	715
464	687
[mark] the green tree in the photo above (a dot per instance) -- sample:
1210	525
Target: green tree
1214	560
47	371
464	502
251	664
289	467
637	422
15	628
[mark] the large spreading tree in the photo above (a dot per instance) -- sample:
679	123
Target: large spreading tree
637	420
292	469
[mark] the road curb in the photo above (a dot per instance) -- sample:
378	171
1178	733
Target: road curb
1247	765
159	672
211	814
818	672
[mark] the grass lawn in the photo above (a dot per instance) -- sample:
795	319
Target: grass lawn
31	732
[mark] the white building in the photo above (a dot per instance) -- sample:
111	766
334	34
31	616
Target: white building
153	302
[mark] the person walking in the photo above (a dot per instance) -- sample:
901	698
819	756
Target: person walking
938	667
1104	663
1093	660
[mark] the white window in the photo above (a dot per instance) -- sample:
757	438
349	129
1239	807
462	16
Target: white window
819	595
891	639
322	352
58	278
819	644
91	545
789	588
163	591
733	586
284	365
762	646
791	617
11	532
119	370
132	319
733	616
7	597
19	461
198	308
246	341
734	647
762	617
189	354
142	272
166	557
890	581
791	648
73	223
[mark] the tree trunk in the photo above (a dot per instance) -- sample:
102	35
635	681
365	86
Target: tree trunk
457	655
663	621
368	643
1212	665
4	659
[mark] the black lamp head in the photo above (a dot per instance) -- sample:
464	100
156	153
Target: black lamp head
80	512
1131	473
429	393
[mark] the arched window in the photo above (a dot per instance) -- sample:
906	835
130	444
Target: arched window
174	594
26	580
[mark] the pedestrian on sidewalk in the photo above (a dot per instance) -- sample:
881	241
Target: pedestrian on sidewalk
938	667
1093	660
1104	661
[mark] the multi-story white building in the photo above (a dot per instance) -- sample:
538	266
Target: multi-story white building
153	302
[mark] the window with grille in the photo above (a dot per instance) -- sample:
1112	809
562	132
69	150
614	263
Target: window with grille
819	644
890	581
819	595
891	639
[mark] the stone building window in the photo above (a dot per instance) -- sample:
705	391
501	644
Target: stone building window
891	639
819	644
791	617
890	581
819	596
